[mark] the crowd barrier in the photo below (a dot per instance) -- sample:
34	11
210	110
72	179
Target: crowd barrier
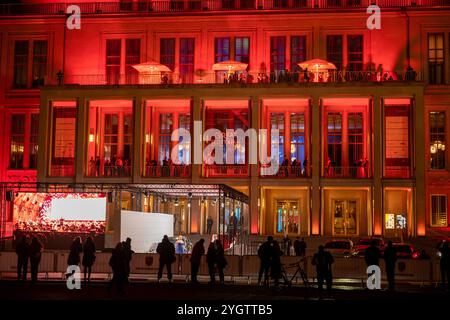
238	266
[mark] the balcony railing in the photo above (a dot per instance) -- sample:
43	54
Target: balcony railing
400	172
62	170
346	172
172	171
111	171
226	171
289	172
242	79
177	6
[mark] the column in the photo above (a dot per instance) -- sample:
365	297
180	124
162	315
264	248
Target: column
138	141
44	132
315	166
254	169
196	111
26	143
419	141
377	165
81	140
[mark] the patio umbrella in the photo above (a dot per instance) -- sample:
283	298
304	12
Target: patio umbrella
317	65
150	67
230	65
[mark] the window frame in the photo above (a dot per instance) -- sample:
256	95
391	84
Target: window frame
431	209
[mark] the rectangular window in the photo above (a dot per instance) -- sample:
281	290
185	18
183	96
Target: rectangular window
21	49
436	58
355	52
298	52
34	137
277	122
437	139
184	153
111	138
334	50
39	63
298	137
63	138
165	132
17	141
221	49
439	210
334	142
187	51
242	49
132	57
113	50
277	53
167	52
355	142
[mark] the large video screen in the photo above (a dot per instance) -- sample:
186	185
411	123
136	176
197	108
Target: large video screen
88	209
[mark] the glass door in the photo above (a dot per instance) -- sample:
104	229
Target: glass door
288	217
345	217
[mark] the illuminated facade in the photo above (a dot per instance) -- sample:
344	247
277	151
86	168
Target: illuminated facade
368	140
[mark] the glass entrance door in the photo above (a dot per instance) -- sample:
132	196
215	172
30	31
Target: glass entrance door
288	217
345	217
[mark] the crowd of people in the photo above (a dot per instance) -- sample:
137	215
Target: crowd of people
114	167
360	169
61	225
166	169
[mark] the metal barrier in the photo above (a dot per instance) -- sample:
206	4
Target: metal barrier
147	263
250	266
8	262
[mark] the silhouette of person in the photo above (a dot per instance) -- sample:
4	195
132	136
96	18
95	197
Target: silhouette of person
128	253
23	254
75	250
390	258
118	263
209	224
211	261
275	264
323	261
88	258
220	260
36	248
265	257
287	245
166	250
197	252
372	254
444	263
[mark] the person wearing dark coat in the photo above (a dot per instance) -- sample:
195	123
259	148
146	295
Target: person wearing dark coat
88	258
76	249
221	262
265	257
275	263
23	255
372	255
166	250
118	264
444	264
36	249
197	252
128	255
211	261
390	258
287	244
323	261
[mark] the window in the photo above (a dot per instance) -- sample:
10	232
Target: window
334	50
277	53
298	137
165	132
22	62
17	141
439	210
111	139
222	49
355	141
113	49
437	139
436	58
187	50
298	52
242	49
334	135
63	138
167	52
277	122
184	153
34	143
355	52
132	57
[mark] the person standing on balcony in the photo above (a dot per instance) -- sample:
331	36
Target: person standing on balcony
92	167
97	166
305	167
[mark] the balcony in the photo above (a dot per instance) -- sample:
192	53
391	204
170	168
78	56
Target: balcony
289	172
346	172
242	79
111	171
172	171
191	6
226	171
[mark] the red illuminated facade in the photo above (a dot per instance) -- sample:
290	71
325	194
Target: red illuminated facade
363	147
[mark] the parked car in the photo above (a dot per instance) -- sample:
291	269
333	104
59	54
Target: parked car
364	243
340	248
406	251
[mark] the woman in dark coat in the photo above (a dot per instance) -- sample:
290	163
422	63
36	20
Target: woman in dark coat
75	250
220	260
118	264
88	258
211	261
36	249
275	267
